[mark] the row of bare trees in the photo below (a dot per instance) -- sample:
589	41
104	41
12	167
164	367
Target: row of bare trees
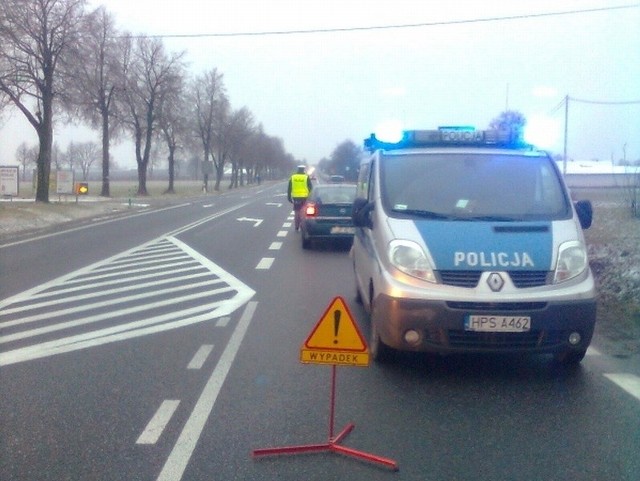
79	155
62	63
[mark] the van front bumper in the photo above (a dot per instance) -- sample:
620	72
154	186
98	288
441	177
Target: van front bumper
440	325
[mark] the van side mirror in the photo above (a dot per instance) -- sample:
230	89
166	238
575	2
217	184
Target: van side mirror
584	209
360	212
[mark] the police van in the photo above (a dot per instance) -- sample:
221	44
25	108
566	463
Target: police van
468	241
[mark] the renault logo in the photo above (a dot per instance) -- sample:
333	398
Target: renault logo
495	281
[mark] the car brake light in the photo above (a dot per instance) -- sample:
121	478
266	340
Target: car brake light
310	210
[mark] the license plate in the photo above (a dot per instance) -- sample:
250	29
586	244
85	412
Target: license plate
483	323
343	230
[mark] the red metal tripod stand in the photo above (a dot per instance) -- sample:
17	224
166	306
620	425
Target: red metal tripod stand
333	443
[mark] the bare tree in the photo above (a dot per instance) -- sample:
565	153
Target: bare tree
511	120
173	122
210	101
56	157
273	161
237	135
221	144
97	79
34	37
345	160
149	72
27	156
83	154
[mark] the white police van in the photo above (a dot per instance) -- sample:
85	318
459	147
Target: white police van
468	241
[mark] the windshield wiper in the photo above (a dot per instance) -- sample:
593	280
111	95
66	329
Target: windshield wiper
490	218
427	214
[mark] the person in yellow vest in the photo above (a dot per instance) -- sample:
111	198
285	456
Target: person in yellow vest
299	188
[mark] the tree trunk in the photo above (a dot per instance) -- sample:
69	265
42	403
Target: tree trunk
172	150
105	155
219	174
45	136
43	168
142	180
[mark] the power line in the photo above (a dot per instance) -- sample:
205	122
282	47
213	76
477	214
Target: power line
568	99
603	102
558	107
387	27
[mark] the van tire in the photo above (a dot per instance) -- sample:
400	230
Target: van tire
570	358
379	351
358	297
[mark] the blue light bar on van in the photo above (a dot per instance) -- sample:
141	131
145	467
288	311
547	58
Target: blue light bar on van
449	136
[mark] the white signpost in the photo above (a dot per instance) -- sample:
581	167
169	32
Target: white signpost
64	182
9	185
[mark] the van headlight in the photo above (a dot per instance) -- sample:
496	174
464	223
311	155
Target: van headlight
409	257
572	261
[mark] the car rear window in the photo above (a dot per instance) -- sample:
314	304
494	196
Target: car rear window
343	194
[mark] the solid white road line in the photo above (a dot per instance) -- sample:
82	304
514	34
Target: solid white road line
628	382
158	422
200	356
178	459
592	351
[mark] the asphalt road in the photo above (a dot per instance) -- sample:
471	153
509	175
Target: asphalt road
166	346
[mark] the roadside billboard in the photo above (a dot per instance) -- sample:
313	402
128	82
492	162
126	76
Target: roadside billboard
9	184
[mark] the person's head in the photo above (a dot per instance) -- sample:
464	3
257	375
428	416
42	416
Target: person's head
301	169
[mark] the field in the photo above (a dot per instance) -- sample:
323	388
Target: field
614	253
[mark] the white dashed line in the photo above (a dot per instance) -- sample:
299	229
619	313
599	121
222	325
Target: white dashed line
158	422
286	225
282	233
200	356
175	465
275	246
265	263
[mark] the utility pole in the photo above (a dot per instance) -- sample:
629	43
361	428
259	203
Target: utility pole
506	107
566	124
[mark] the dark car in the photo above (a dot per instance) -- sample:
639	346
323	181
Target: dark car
326	215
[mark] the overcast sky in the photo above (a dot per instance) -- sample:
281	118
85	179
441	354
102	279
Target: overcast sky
461	63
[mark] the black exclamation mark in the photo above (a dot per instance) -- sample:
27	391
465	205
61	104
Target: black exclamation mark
336	325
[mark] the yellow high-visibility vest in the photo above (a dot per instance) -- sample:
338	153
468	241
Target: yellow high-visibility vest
299	186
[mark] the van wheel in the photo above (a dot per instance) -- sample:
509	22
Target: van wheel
570	358
379	351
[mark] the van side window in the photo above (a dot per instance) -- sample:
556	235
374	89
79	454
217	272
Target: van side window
364	181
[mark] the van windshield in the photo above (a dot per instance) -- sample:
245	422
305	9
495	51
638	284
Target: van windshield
472	186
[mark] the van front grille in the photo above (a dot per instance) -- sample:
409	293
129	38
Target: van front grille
460	278
470	279
496	306
503	341
523	279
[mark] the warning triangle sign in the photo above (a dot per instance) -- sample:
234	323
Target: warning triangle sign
336	331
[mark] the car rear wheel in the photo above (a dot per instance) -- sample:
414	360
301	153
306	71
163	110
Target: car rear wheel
306	241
